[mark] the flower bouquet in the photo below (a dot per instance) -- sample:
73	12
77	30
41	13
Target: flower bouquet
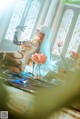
39	59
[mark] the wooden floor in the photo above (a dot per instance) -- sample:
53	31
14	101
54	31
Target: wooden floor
66	113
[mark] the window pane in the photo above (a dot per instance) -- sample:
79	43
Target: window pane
63	30
31	19
16	17
75	40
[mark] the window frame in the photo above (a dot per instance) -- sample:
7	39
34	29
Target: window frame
22	22
76	10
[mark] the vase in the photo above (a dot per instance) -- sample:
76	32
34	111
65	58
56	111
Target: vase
37	69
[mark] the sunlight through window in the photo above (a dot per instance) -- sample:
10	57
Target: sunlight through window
63	30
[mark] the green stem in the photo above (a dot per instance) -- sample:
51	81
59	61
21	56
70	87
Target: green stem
33	68
63	60
39	69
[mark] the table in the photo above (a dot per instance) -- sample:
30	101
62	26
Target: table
20	102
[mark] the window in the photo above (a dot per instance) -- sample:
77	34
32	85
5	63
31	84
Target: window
63	30
31	20
75	40
16	18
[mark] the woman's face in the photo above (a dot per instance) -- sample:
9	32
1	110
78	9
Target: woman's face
39	36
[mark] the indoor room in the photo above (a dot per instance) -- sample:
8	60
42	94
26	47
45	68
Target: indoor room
40	59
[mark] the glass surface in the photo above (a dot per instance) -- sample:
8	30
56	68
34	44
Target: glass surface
20	10
16	18
75	40
63	30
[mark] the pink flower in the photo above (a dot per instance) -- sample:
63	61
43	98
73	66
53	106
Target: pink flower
39	58
60	43
74	55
